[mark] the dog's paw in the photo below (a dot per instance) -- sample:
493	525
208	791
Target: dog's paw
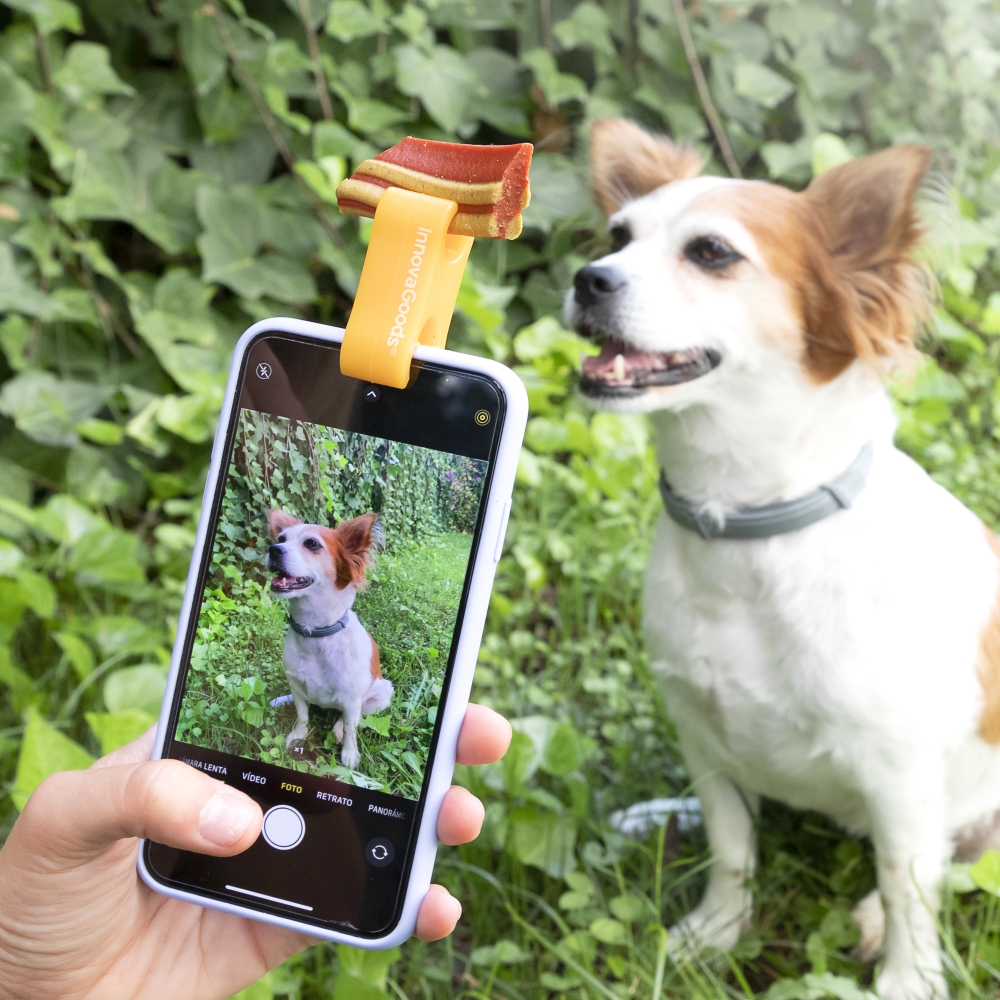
911	984
869	916
702	929
338	730
350	757
295	736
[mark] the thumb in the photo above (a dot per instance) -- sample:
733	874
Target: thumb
74	815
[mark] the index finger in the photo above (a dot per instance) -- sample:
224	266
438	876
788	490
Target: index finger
485	736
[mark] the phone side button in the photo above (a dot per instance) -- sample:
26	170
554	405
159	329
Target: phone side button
498	551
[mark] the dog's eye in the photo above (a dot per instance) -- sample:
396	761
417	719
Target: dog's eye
711	253
312	545
621	236
281	538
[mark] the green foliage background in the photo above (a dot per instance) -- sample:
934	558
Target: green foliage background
427	502
166	177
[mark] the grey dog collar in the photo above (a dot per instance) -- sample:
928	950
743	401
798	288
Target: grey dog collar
321	633
773	518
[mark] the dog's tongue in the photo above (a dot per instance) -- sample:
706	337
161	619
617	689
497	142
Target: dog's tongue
605	363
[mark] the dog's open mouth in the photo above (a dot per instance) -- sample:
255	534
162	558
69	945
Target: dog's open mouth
286	584
619	370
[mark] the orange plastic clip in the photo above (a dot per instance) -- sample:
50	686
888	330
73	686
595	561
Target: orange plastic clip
408	288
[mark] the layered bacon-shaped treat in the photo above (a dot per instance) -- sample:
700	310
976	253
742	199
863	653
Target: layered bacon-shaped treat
490	183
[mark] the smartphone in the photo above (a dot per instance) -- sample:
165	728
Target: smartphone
331	623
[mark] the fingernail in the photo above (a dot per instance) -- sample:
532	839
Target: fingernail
226	816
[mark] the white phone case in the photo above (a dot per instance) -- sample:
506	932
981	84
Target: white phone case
466	653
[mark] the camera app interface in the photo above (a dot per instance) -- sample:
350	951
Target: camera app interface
331	601
323	633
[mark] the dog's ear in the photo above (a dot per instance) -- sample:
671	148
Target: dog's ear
278	520
627	162
356	539
869	294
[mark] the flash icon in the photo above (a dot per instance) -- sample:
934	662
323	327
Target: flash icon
263	370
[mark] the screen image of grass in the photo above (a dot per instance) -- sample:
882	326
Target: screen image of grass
427	502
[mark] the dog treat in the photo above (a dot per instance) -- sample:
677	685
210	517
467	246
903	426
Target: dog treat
489	183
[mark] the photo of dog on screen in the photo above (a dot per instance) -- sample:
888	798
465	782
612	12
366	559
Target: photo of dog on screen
328	615
330	658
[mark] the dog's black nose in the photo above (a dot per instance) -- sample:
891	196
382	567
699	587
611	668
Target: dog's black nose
274	554
594	284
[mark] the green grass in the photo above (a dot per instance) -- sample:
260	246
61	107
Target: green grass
409	607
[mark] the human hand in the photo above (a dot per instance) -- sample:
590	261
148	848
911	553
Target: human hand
77	921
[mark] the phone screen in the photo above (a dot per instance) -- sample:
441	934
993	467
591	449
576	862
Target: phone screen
321	638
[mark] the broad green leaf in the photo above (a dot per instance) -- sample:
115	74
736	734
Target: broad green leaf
136	689
545	434
761	84
106	557
101	431
15	336
566	750
122	634
441	78
814	986
191	417
44	751
77	652
22	687
11	558
368	115
986	872
201	45
36	592
323	177
332	139
558	191
86	70
19	295
558	87
362	973
629	908
608	931
377	723
586	27
503	952
65	520
229	247
829	151
47	409
543	840
350	19
115	729
788	161
50	15
263	989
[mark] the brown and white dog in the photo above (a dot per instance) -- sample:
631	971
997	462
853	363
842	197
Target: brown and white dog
330	659
852	666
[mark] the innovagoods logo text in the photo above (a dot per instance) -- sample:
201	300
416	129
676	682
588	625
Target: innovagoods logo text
409	296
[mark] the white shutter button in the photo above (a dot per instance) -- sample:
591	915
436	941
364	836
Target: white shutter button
283	827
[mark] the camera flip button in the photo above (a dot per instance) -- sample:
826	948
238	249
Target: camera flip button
379	852
283	827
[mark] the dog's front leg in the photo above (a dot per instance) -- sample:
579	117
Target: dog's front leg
301	729
725	910
349	755
911	848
